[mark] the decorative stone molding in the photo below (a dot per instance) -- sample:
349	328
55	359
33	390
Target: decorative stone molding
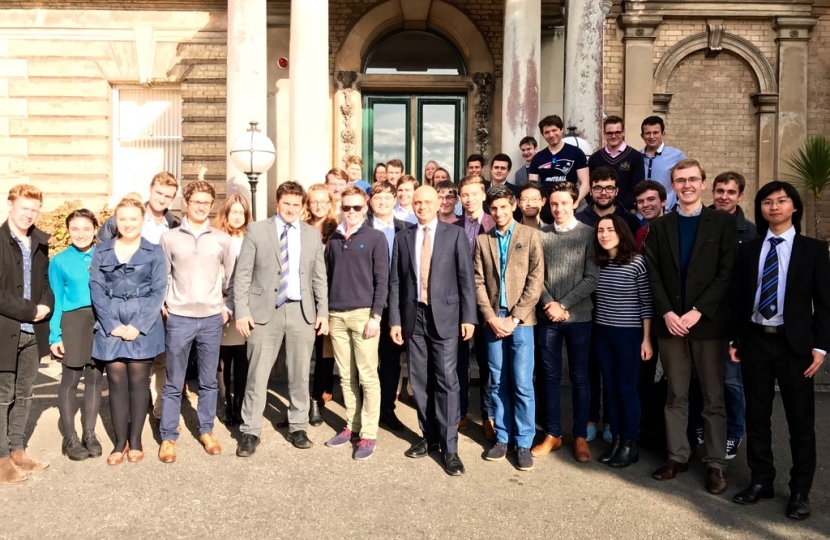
765	103
484	85
639	26
347	83
661	103
749	53
716	29
793	28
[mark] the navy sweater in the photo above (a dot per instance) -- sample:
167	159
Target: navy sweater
686	232
358	270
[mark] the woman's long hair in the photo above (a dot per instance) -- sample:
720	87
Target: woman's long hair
626	249
330	222
221	220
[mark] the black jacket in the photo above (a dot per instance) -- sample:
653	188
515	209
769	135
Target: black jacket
590	217
746	229
108	230
806	301
14	309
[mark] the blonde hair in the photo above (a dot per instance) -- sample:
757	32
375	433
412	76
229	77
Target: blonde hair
221	220
352	160
330	222
130	200
164	178
26	191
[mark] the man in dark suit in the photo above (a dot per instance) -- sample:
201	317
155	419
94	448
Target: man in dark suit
431	300
780	331
691	257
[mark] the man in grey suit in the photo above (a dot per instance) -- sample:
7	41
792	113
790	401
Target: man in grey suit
280	291
429	309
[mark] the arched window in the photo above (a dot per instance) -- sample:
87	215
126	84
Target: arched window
414	52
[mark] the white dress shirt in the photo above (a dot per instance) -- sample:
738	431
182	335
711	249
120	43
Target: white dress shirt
419	242
294	243
571	225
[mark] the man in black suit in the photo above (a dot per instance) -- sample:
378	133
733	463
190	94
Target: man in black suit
780	331
431	300
691	258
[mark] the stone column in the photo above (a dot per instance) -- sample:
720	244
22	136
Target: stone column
639	37
793	35
553	72
310	95
583	67
521	74
247	87
766	109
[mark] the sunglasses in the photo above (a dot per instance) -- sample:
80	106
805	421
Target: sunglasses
345	208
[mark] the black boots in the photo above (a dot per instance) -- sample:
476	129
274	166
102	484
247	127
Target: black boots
615	444
73	448
626	454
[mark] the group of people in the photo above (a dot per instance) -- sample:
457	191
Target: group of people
587	251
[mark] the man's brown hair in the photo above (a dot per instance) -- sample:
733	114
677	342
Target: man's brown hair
726	177
198	186
394	163
26	191
290	188
687	163
339	173
382	187
351	191
472	179
164	178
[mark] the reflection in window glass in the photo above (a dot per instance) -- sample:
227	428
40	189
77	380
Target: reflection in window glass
389	132
438	134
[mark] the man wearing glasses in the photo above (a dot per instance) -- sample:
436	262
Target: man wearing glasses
604	192
691	257
357	265
626	162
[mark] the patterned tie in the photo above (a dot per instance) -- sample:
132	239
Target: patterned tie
283	291
768	303
426	261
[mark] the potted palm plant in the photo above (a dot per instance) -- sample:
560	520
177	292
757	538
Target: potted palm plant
811	170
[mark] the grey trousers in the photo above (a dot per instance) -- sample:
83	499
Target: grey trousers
16	395
264	344
678	354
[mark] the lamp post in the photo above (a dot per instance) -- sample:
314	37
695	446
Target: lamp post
253	153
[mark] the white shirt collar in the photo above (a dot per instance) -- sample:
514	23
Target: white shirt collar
432	225
788	235
571	225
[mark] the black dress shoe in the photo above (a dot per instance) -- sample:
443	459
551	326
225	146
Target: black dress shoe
421	449
314	416
799	506
627	453
388	417
247	445
753	494
609	453
453	465
300	440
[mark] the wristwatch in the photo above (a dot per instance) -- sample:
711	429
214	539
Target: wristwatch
376	317
516	321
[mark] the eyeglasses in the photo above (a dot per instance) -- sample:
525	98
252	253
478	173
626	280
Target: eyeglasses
319	204
692	180
447	197
200	203
604	189
530	200
613	133
767	203
345	208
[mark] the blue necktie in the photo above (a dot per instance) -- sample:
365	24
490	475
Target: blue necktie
282	296
768	303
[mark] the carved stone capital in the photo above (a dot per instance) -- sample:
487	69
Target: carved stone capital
661	103
765	103
715	29
346	80
793	28
640	26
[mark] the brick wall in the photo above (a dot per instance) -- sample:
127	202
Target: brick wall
613	83
711	117
759	33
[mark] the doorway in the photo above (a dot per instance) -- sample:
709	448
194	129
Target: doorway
415	129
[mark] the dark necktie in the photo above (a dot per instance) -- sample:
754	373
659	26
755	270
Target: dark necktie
768	303
282	296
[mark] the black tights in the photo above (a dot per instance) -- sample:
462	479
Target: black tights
129	386
68	404
233	359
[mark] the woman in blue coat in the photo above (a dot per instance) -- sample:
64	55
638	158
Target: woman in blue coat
128	281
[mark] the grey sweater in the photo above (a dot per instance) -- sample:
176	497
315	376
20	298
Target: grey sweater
199	271
570	273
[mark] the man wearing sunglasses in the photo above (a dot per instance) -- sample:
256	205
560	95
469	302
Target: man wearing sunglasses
626	162
357	264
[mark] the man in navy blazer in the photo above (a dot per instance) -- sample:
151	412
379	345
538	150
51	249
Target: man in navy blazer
431	301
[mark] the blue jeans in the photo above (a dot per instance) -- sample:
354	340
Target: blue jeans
511	374
205	333
618	354
733	393
577	338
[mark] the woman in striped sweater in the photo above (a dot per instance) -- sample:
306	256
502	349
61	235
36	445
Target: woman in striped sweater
622	317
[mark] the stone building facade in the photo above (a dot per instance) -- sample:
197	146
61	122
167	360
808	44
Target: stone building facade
740	84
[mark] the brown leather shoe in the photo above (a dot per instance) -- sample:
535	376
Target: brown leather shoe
134	456
210	443
669	470
489	430
116	458
9	474
547	446
715	482
25	462
582	452
167	451
462	424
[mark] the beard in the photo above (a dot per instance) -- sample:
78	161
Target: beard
605	206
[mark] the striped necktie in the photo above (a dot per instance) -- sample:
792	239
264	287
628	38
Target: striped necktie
282	296
768	302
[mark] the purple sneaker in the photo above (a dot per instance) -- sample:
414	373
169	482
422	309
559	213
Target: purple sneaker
365	449
340	439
